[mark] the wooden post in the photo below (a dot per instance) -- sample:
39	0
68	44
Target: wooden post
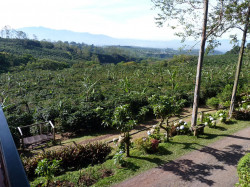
21	133
53	130
22	144
168	131
199	68
40	129
127	141
202	116
54	135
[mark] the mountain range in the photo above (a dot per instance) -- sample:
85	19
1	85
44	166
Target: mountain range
104	40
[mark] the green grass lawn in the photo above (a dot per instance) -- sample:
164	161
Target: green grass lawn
140	161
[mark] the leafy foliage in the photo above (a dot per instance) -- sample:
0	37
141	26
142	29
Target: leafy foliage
243	169
242	114
91	175
47	168
222	115
147	144
209	120
70	96
77	156
119	158
123	121
213	102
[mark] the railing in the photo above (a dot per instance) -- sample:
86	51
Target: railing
10	164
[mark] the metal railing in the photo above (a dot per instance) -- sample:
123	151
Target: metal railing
10	163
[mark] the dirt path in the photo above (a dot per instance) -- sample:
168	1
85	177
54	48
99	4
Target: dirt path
139	132
106	138
213	165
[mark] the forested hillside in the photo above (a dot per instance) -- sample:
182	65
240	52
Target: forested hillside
17	51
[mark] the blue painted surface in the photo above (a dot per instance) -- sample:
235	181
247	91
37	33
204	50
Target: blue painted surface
12	164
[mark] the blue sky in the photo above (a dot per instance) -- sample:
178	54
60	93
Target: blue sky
117	18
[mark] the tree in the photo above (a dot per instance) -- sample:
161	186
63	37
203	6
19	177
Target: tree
123	121
245	30
6	32
164	107
188	13
199	68
21	35
248	46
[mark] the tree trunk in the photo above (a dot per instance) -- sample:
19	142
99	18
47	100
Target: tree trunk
168	131
127	141
237	74
199	67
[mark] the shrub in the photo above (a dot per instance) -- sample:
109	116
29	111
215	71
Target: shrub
213	102
242	115
180	128
245	102
155	132
225	104
77	156
154	145
149	145
119	158
226	93
47	169
222	115
47	64
209	121
90	176
243	169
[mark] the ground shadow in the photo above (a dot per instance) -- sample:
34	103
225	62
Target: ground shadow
230	122
208	136
220	128
237	137
153	160
163	151
190	171
230	155
187	145
212	136
131	166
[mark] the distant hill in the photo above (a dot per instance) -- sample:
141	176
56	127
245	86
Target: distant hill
34	53
103	40
79	52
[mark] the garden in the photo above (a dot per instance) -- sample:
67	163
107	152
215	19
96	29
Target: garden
111	165
93	99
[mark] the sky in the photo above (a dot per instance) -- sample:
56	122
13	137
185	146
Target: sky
116	18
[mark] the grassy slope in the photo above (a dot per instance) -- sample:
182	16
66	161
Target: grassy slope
140	162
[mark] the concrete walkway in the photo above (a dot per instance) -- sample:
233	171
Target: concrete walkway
213	165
